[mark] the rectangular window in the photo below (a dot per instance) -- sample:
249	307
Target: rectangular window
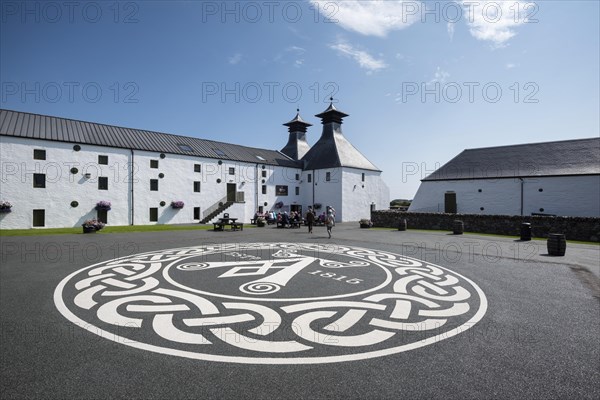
102	216
297	177
103	160
196	212
363	176
184	147
197	187
264	173
309	178
39	154
102	183
197	168
153	214
39	217
231	171
154	185
327	176
264	189
39	180
297	190
219	152
153	163
281	190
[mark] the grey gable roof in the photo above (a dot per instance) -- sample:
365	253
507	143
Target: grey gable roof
335	151
568	157
43	127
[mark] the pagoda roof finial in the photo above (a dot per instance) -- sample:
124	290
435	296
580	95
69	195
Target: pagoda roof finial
331	114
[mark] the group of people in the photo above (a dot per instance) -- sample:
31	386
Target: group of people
327	218
310	219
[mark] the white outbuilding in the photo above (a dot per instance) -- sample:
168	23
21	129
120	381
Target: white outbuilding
554	178
59	172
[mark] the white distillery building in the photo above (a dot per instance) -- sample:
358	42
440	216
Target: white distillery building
55	171
554	178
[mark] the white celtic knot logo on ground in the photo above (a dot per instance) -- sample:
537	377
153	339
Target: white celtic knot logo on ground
271	303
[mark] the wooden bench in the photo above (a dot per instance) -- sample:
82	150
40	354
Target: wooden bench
295	224
237	225
218	226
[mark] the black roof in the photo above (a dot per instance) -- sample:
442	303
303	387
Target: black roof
567	157
333	150
43	127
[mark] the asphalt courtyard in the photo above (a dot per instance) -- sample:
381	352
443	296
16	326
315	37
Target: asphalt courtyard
280	313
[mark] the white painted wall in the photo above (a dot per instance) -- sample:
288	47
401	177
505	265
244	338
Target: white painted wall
62	187
564	196
359	195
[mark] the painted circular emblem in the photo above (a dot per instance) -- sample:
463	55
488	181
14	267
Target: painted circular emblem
271	303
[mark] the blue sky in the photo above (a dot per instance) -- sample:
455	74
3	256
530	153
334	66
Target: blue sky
421	80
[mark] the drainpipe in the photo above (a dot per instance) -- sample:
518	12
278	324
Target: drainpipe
522	184
313	187
131	170
256	189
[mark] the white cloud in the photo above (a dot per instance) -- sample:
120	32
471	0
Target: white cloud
235	59
439	76
495	21
450	28
369	17
511	65
364	59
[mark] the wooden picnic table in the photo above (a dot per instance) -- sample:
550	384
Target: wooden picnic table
232	222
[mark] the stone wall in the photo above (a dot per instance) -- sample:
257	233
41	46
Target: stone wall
575	228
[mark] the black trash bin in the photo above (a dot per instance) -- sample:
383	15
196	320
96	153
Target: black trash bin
525	231
402	225
458	227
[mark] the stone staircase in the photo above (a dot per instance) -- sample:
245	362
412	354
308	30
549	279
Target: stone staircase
212	214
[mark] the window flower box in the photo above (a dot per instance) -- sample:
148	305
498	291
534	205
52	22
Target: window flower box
5	207
365	223
103	205
177	204
317	206
92	225
279	204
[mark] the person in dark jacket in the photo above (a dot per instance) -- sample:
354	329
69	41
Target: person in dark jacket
310	219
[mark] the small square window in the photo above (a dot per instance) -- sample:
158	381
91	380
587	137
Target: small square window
363	177
297	190
103	160
197	168
39	218
153	214
102	183
264	189
231	171
309	178
328	176
153	163
154	185
196	212
39	154
39	180
264	174
197	187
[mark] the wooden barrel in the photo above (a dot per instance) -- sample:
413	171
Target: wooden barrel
402	225
557	244
525	231
458	227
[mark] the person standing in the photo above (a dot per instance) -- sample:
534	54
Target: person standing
329	223
310	219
